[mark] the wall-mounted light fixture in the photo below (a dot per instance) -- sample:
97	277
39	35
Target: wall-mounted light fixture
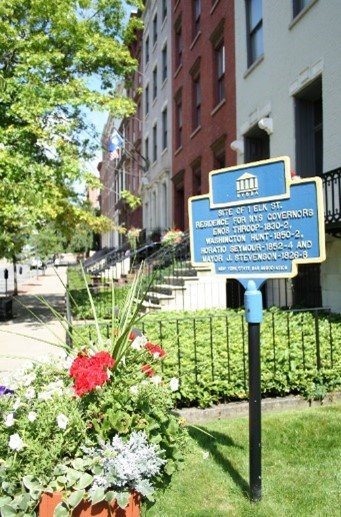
267	125
237	146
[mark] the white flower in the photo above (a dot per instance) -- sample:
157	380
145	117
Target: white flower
45	395
205	455
17	404
9	420
174	384
62	421
15	442
134	390
139	343
156	379
32	416
29	378
30	393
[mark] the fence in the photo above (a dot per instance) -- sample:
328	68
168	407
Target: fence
209	353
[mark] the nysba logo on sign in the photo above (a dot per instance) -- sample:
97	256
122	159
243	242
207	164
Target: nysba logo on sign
247	185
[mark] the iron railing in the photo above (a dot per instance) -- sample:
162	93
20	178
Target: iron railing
332	199
214	347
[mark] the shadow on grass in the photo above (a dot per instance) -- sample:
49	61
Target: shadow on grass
210	442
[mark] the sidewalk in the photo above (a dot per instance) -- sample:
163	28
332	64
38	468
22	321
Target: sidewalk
20	348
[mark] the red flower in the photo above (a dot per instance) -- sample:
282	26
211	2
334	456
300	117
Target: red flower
90	372
148	370
155	349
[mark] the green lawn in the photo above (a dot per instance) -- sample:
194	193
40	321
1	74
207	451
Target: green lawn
301	469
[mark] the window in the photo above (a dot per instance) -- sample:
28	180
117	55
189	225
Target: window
146	104
254	19
155	143
146	49
178	44
164	129
299	5
219	55
155	83
178	123
164	63
155	29
309	130
219	154
257	145
146	149
164	9
196	101
196	177
196	6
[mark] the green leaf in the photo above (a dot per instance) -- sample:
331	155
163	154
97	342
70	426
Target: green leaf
4	500
8	511
85	480
98	495
72	476
110	496
75	498
31	483
122	499
61	511
78	463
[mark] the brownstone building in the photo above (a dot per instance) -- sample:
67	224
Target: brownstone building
204	96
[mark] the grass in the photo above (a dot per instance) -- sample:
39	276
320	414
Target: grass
300	469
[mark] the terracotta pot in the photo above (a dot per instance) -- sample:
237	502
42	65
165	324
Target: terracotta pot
49	502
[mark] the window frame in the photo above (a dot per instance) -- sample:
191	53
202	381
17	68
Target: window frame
146	49
252	32
164	10
164	62
155	29
164	128
196	106
155	142
178	120
154	83
146	99
178	47
299	5
196	17
146	148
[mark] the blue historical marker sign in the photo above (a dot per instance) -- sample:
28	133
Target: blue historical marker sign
256	222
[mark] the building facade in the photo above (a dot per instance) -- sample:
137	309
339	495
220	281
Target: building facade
203	96
156	109
288	103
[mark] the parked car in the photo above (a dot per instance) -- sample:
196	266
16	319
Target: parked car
37	263
65	259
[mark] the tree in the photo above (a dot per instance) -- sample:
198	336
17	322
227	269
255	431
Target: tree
49	51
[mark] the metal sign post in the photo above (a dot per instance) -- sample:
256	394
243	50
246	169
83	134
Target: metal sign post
254	315
257	223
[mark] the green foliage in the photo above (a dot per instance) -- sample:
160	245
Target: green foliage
102	296
131	200
214	357
48	54
47	242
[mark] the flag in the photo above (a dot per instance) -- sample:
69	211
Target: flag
115	145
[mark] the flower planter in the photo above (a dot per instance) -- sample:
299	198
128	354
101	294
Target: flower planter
49	502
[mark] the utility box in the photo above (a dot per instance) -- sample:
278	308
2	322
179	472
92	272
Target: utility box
6	308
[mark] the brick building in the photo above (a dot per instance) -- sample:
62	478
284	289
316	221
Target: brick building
204	96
